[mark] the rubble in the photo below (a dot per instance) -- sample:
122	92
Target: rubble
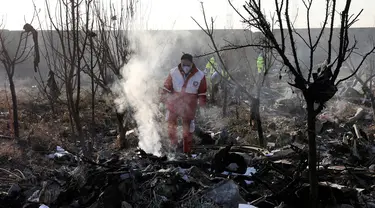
360	114
226	193
221	172
289	106
230	176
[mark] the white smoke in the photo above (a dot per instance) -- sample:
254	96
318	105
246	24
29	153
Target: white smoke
139	90
143	76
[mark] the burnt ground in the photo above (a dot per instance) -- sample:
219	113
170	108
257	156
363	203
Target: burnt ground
265	177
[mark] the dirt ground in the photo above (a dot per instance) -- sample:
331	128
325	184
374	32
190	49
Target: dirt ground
42	132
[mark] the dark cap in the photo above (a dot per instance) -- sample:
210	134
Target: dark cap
187	56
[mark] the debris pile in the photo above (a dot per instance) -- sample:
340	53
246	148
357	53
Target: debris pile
227	176
217	174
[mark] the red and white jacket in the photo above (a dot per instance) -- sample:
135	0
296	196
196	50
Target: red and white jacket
181	95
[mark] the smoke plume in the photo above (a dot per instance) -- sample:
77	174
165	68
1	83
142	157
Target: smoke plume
143	76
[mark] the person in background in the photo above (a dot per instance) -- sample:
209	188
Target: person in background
184	88
209	72
262	71
260	63
214	77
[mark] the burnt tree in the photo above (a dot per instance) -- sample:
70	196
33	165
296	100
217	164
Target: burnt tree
70	23
269	57
318	85
10	57
111	47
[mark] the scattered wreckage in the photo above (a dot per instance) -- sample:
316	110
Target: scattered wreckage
215	176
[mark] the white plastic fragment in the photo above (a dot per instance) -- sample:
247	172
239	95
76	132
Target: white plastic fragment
43	206
34	197
59	149
246	206
131	132
60	152
249	172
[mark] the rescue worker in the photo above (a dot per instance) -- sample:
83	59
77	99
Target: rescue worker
210	73
262	70
210	67
260	63
183	89
213	72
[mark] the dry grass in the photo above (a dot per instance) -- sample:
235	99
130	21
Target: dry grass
9	151
241	126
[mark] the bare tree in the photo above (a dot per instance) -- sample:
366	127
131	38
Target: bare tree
71	23
317	85
269	60
50	89
10	57
255	114
112	50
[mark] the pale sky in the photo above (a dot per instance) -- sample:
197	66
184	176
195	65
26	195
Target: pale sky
176	14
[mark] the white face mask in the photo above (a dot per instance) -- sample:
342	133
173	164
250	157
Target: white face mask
186	69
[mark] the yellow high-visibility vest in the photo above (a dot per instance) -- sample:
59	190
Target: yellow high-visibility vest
212	65
260	63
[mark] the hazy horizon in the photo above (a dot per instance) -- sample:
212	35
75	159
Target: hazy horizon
176	14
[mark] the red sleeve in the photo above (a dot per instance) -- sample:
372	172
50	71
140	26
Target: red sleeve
167	88
202	92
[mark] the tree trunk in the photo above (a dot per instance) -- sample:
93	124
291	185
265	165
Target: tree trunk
225	99
71	121
52	104
255	117
260	130
77	119
78	125
311	117
122	143
70	105
92	90
257	113
15	108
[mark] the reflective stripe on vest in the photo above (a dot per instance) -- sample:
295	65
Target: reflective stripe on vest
192	84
